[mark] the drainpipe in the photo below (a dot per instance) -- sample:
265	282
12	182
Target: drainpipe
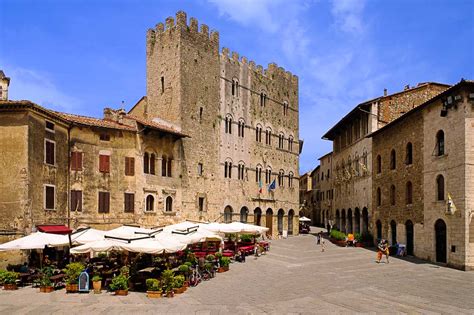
68	182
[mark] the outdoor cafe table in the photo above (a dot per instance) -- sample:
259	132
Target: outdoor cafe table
57	278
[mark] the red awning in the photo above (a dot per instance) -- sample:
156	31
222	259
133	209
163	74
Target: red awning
54	229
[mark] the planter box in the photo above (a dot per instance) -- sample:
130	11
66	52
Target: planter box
72	288
359	245
9	287
340	243
180	290
220	270
48	289
153	294
97	285
121	292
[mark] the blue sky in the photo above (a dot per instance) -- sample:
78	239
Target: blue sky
81	56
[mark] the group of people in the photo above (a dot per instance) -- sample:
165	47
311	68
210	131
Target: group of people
382	249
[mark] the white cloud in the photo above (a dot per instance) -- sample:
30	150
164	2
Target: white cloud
348	15
27	84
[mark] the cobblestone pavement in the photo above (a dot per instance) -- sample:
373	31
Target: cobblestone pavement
294	277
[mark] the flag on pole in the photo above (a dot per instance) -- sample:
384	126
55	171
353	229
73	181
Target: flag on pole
272	186
260	186
450	206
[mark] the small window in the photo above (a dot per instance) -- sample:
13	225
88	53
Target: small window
268	175
150	203
258	134
162	85
170	167
290	180
104	163
409	154
199	169
104	137
379	197
49	126
258	174
201	204
393	160
268	137
169	204
281	176
76	200
263	99
76	161
152	163
227	169
104	202
241	128
281	138
49	152
290	144
440	143
49	197
285	108
200	114
129	166
409	193
379	164
228	125
440	187
240	170
129	203
235	87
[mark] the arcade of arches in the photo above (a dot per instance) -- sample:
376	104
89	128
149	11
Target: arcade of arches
349	221
277	221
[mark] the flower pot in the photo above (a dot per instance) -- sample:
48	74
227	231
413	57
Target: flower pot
97	285
186	284
153	294
179	290
121	292
226	268
170	294
46	289
220	270
9	286
72	288
340	243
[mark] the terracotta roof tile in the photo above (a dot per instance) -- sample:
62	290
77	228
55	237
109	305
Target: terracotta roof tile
96	122
156	125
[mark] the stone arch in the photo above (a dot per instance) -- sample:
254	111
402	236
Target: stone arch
393	232
269	220
257	216
150	203
291	215
410	237
365	220
280	215
349	221
357	220
343	220
441	243
228	214
169	204
244	214
378	225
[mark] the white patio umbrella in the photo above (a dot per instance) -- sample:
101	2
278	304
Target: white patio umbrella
221	228
86	236
126	231
189	233
37	240
157	245
104	245
305	219
248	228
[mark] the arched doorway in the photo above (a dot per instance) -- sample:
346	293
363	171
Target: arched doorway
343	221
338	220
281	213
379	230
228	214
243	214
349	221
291	215
257	216
269	221
357	220
441	240
410	237
323	219
393	230
365	220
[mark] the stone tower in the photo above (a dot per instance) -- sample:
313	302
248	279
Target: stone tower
183	89
4	83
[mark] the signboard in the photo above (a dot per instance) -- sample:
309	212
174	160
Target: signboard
84	282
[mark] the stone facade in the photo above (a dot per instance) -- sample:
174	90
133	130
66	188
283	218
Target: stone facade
4	83
222	101
326	189
442	134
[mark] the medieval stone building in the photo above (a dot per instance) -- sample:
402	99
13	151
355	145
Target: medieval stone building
215	138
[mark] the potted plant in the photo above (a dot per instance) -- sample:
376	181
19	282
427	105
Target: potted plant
2	273
225	262
178	284
167	282
211	258
9	280
97	284
73	271
119	285
46	285
358	239
184	270
153	288
338	238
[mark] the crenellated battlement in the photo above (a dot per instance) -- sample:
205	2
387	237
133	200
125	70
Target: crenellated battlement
272	68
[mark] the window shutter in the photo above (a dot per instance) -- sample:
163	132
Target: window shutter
107	163
107	202
132	166
79	162
169	167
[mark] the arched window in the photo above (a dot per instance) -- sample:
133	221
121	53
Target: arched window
268	175
235	87
228	214
409	154
152	163
164	165
146	163
379	164
440	143
263	99
290	143
409	193
258	133
227	169
379	197
392	195
170	166
258	174
241	128
281	138
240	170
290	179
268	136
285	108
440	187
228	124
281	175
393	228
393	160
169	204
150	203
379	229
243	214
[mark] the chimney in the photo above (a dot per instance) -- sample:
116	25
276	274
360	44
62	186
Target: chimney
407	87
384	92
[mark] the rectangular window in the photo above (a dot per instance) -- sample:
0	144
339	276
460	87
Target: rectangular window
76	200
104	202
104	137
201	204
49	126
49	197
129	166
129	203
104	163
170	161
76	161
49	152
200	169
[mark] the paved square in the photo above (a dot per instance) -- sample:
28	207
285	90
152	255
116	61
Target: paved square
294	277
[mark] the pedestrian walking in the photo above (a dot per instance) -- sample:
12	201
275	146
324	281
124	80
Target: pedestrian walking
323	245
319	236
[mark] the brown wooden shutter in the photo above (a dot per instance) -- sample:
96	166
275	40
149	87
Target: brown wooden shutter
49	153
79	161
129	166
49	191
101	164
107	202
104	163
107	163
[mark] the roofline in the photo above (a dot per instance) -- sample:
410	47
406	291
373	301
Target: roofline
138	102
422	106
326	136
330	153
26	104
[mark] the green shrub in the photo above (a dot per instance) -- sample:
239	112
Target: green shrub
218	256
246	238
210	257
189	264
178	281
358	237
96	278
225	262
153	285
339	236
9	277
119	282
167	280
73	271
191	258
125	271
184	269
2	274
45	280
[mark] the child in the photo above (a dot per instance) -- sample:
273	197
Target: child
323	245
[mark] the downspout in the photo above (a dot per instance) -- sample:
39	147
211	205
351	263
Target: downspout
68	182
